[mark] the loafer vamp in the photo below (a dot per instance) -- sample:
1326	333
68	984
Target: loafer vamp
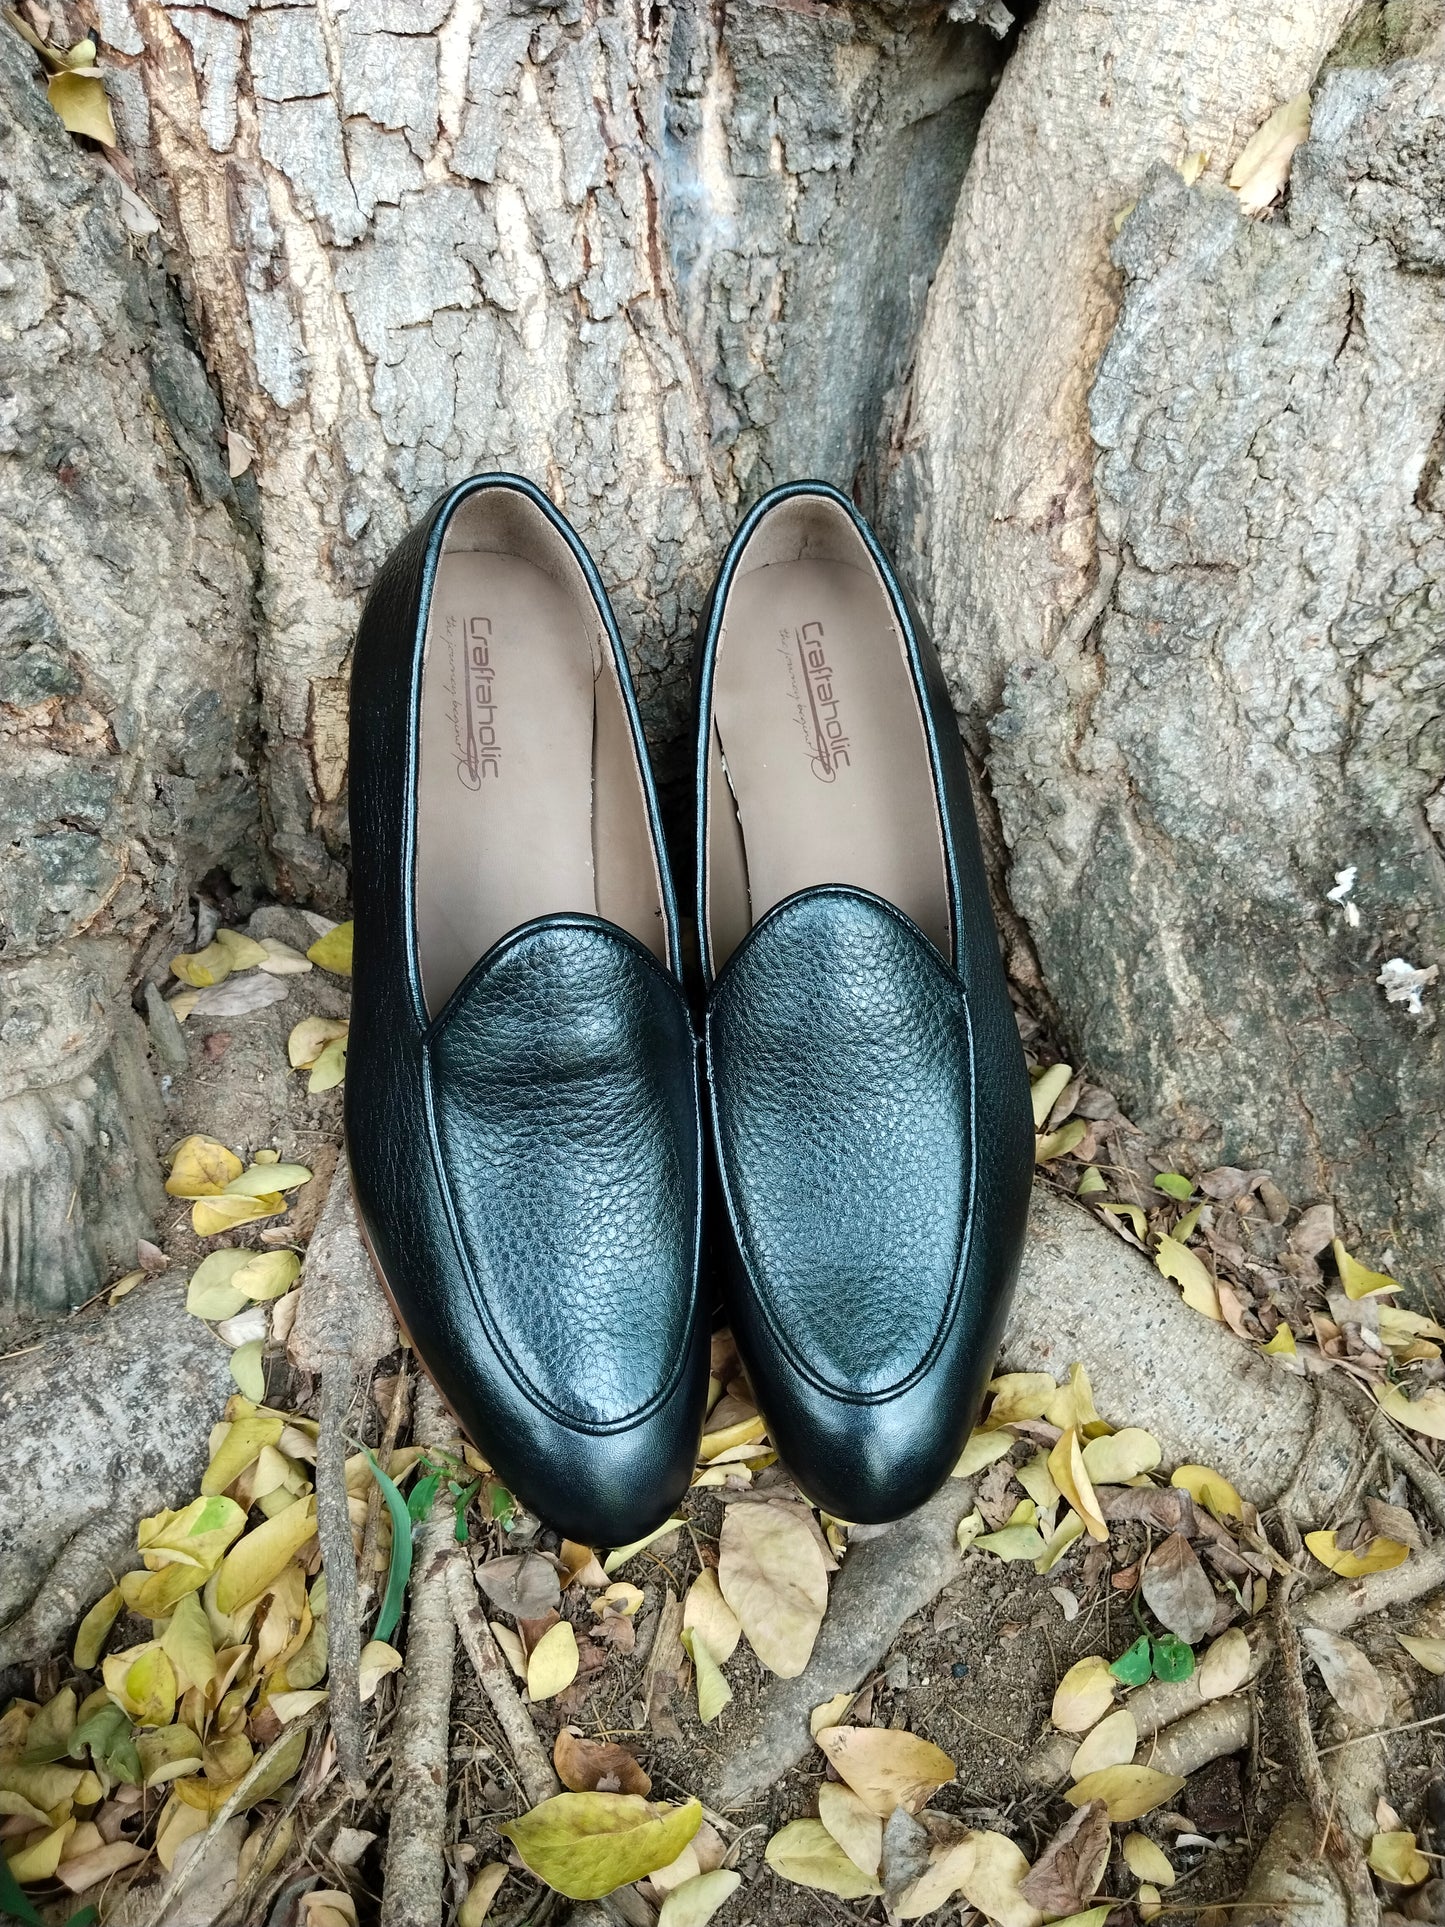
561	1084
839	1048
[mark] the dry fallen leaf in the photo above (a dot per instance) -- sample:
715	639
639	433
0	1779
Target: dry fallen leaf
1396	1858
853	1824
1260	173
1146	1861
886	1768
201	1167
1129	1792
1224	1667
694	1903
807	1854
333	951
1119	1456
1353	1683
771	1573
377	1660
483	1890
590	1766
1176	1589
1112	1742
523	1584
1380	1555
1068	1871
1429	1653
1066	1466
586	1844
713	1691
1211	1490
830	1713
310	1037
1178	1262
706	1611
1423	1414
552	1662
1084	1695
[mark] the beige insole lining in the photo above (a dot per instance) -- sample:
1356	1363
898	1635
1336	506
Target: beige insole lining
819	749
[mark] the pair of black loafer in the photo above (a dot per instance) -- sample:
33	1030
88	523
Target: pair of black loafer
529	1136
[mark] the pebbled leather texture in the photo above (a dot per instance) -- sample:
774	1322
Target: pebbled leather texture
873	1139
527	1165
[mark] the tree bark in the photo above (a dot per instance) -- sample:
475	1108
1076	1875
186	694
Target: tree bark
1174	501
126	707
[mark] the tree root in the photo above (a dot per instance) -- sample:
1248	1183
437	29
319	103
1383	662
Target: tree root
534	1769
412	1894
338	1556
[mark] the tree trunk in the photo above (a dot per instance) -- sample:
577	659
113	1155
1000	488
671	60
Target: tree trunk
1174	502
1171	494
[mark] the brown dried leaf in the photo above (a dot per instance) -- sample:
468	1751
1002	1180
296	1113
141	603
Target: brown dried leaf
1069	1869
597	1766
1177	1589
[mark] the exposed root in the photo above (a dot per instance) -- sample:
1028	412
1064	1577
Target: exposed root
338	1556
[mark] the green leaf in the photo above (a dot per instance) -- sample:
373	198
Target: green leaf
503	1506
1174	1185
1172	1659
389	1617
13	1902
1134	1665
110	1737
423	1493
248	1370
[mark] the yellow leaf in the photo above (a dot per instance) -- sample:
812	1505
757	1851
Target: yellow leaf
260	1180
377	1660
1358	1281
329	1069
296	1703
1012	1542
970	1528
282	960
242	952
771	1573
211	1292
705	1611
1398	1326
1224	1667
620	1555
263	1554
552	1663
1129	1792
1048	1087
1038	1481
480	1895
311	1037
886	1768
1019	1395
989	1879
1379	1556
1429	1653
1092	1183
830	1713
169	1753
1059	1143
1073	1404
694	1903
1121	1456
1137	1220
1084	1695
202	968
1066	1465
248	1370
188	1644
981	1449
1282	1345
209	1216
620	1597
511	1647
1069	1528
1146	1861
807	1854
202	1167
267	1274
1111	1743
1396	1858
178	1823
333	951
586	1844
853	1824
1177	1261
1423	1414
1209	1489
38	1859
94	1629
123	1287
745	1431
240	1446
1260	173
142	1682
1190	168
195	1537
713	1691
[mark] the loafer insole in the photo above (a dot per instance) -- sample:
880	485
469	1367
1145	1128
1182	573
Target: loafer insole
504	795
820	731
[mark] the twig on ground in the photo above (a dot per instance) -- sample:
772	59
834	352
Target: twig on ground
1336	1841
412	1894
338	1556
534	1769
400	1399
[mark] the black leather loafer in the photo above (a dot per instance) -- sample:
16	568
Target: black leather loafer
522	1110
870	1104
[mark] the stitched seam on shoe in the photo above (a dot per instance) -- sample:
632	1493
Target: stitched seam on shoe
761	1298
